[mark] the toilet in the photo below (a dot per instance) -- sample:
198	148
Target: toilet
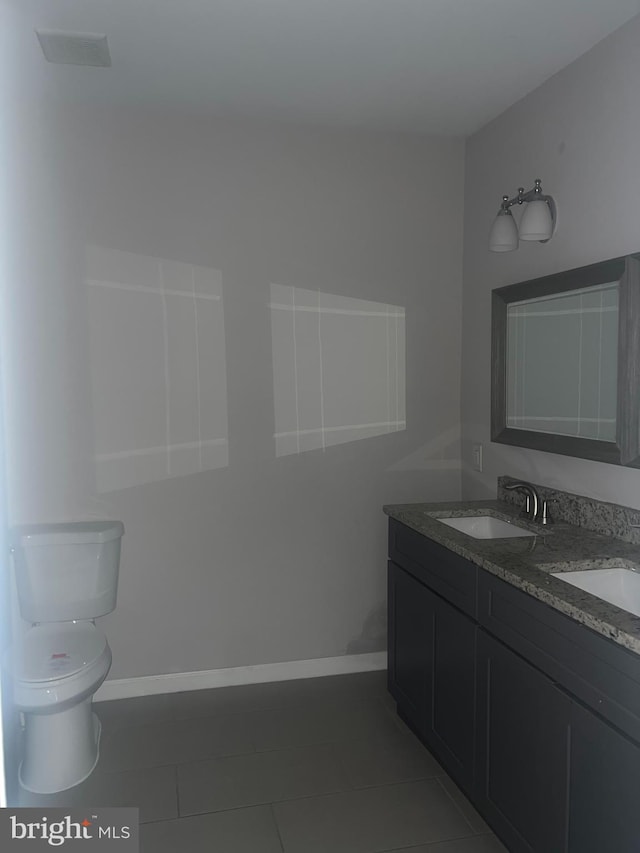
66	576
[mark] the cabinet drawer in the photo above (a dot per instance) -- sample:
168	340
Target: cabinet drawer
602	674
451	576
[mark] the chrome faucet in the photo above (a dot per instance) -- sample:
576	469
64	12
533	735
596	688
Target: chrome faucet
532	505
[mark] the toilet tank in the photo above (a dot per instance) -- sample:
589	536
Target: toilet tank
67	571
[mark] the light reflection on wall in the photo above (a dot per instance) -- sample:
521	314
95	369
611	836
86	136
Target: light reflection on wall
338	369
158	368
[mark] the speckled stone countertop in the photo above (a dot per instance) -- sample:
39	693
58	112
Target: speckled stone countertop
527	562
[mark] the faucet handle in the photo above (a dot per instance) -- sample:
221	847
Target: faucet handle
545	515
525	512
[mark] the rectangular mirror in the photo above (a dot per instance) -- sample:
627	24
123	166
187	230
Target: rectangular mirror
565	363
562	363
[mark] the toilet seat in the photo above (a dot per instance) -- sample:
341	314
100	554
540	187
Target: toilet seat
59	663
58	650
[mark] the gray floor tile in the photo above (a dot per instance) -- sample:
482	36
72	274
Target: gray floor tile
175	742
153	791
339	687
137	711
398	759
477	844
264	777
239	831
226	700
305	725
471	815
370	820
250	697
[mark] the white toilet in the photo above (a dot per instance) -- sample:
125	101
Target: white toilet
66	576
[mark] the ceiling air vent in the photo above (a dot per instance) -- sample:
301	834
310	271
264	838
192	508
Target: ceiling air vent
74	48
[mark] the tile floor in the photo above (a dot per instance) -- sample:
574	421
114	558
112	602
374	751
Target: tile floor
316	766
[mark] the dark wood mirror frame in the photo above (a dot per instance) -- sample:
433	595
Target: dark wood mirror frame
626	448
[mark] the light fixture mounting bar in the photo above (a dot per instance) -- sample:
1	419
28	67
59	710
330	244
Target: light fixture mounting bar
534	194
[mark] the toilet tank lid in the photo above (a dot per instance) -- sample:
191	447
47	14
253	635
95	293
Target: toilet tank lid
67	533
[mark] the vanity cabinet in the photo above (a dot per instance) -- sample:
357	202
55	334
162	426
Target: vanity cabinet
536	717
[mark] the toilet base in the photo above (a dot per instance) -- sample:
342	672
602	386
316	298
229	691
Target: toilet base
60	750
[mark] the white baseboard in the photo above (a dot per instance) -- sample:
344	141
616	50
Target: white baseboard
177	682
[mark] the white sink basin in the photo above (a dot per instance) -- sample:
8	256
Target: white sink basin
486	527
617	586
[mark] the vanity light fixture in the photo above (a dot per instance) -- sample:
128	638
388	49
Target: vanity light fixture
538	219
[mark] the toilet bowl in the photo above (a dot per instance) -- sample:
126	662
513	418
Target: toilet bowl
66	576
57	669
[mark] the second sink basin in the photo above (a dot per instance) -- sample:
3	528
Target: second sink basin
617	586
485	527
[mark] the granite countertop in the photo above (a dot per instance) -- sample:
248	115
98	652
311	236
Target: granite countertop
527	562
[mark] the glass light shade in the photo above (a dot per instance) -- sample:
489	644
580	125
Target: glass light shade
536	222
504	233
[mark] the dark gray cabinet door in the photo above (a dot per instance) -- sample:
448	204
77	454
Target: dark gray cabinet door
432	648
604	799
452	728
523	751
410	642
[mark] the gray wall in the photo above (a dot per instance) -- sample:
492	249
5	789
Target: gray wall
269	557
578	132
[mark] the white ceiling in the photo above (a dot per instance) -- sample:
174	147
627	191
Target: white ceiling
434	66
